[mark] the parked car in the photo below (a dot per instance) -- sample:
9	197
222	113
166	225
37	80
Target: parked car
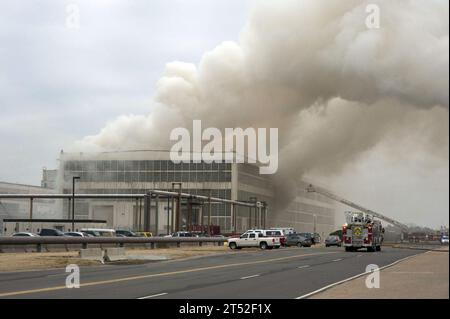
298	240
126	233
50	232
76	234
145	234
99	232
24	234
254	240
201	234
314	237
444	240
181	234
333	240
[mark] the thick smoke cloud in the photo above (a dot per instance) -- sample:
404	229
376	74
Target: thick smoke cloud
332	86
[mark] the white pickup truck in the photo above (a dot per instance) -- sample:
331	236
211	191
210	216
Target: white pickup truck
254	240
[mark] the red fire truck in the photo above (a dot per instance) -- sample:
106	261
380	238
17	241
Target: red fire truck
362	231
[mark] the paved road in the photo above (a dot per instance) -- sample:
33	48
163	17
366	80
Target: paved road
282	273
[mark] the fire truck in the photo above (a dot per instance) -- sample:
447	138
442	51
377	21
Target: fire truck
368	232
362	231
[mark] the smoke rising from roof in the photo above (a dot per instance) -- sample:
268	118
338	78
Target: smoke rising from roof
333	87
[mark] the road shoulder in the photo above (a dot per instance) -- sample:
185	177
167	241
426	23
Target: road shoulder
423	276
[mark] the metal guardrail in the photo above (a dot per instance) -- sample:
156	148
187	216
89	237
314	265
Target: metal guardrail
54	240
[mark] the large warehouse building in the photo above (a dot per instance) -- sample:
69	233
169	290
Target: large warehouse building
139	171
11	208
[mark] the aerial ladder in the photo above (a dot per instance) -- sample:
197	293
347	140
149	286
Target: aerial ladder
311	189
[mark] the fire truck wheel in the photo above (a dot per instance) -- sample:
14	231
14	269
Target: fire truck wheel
348	249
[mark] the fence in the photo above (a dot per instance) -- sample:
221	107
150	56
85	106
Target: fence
71	243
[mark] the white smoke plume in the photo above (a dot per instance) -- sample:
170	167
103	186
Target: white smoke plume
334	87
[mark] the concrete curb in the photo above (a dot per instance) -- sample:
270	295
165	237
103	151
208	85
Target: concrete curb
92	254
115	254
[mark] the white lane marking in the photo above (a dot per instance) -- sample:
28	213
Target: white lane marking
56	275
412	272
339	259
152	296
306	266
247	277
351	278
359	256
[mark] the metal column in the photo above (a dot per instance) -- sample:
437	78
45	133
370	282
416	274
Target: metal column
169	209
31	213
209	213
189	214
157	215
232	218
259	217
200	215
140	215
178	212
147	212
172	214
69	205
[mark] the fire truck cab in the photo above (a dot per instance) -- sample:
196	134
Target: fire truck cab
362	231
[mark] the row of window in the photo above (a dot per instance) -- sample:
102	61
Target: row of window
116	165
138	177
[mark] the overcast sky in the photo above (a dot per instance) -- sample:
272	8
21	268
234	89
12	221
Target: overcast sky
59	83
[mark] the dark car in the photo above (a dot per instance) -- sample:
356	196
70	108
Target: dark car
313	237
297	240
125	233
50	232
333	240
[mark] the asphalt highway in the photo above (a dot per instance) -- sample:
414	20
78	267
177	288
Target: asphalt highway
279	273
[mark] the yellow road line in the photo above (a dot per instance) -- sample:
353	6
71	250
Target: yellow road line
110	281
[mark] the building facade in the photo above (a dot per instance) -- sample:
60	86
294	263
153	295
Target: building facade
11	208
138	172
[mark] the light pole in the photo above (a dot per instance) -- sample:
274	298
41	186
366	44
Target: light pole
74	178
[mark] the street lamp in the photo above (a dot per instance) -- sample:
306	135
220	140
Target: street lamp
74	178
